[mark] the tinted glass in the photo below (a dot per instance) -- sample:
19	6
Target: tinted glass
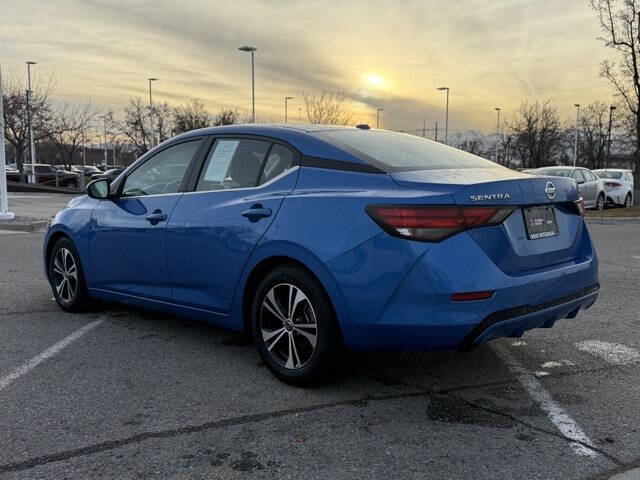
611	175
163	172
232	163
280	159
554	172
577	176
392	151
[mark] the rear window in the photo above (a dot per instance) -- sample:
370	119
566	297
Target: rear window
611	175
554	172
393	152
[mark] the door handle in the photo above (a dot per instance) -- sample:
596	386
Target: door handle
156	216
257	211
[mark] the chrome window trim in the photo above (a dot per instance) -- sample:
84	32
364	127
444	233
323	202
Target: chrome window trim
282	175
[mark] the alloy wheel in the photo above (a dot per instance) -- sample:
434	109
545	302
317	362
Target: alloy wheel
288	325
65	275
600	204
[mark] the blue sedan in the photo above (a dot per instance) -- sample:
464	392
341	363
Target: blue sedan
315	240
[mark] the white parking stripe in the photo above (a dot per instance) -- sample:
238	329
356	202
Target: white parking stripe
48	353
561	419
613	353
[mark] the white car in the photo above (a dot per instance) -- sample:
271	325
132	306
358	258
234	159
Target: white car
590	185
618	185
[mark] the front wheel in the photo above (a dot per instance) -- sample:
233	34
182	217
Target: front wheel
295	327
600	202
66	277
628	201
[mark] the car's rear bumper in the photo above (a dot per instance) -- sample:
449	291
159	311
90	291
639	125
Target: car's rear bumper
399	294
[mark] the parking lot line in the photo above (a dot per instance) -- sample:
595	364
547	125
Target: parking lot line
558	416
46	354
613	353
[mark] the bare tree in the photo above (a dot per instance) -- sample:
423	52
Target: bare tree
162	122
537	134
71	127
473	144
620	23
14	98
135	125
592	130
190	117
227	116
327	108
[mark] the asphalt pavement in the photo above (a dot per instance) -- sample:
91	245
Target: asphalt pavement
125	393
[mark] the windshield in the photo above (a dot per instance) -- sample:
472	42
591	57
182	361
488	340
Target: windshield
554	172
612	175
393	152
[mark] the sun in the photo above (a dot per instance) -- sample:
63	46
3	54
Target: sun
374	80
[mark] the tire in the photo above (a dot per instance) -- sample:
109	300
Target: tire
302	349
70	289
600	202
628	201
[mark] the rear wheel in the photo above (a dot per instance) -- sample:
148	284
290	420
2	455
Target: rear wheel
628	201
600	202
66	278
295	328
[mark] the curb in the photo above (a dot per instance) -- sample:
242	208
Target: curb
612	220
24	227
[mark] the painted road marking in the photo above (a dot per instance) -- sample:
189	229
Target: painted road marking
561	419
613	353
48	353
559	363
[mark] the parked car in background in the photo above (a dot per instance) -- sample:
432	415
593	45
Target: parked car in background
591	186
110	174
47	175
88	170
618	185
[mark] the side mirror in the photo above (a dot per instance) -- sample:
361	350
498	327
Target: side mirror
99	189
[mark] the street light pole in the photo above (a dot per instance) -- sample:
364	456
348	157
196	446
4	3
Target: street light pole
378	110
104	117
575	146
286	108
5	214
611	109
151	132
497	132
300	113
247	48
32	148
446	121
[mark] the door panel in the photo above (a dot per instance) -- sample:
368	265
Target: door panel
212	233
127	250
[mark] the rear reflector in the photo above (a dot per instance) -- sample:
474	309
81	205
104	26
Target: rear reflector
432	223
469	296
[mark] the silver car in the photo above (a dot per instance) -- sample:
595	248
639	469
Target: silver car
591	186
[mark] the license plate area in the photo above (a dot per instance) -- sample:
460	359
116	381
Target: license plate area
540	222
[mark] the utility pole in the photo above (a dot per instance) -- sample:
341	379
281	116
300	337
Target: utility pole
497	133
611	109
436	139
446	122
300	113
32	148
5	214
104	117
378	116
286	108
575	146
151	132
424	127
247	48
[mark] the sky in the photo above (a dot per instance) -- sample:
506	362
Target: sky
382	54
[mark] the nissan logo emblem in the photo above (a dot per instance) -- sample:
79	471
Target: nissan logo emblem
550	190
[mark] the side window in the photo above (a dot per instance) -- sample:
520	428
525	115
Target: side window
577	176
588	176
42	169
280	159
232	163
163	172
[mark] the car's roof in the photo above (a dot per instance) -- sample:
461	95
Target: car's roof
612	170
298	136
557	167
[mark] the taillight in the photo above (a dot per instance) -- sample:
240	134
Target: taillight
612	184
579	204
432	223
